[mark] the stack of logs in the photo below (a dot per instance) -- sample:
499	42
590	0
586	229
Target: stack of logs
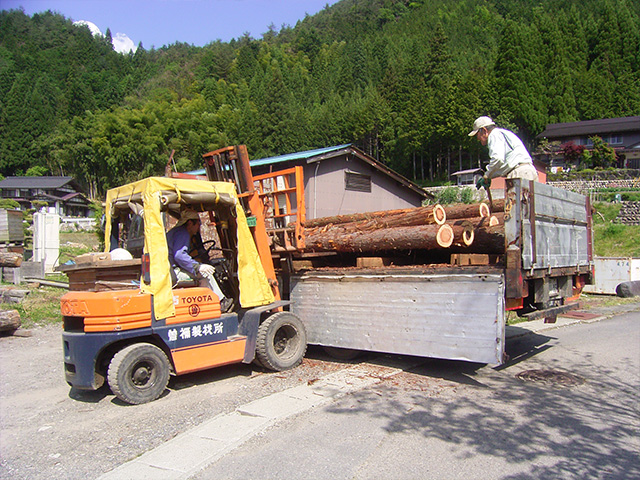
469	228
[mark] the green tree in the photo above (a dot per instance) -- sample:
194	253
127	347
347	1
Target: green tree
518	78
601	155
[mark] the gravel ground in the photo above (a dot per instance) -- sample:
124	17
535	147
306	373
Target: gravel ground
50	431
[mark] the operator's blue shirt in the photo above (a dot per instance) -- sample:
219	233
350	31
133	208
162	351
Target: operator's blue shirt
178	241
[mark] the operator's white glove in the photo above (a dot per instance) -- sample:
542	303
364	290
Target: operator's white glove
206	270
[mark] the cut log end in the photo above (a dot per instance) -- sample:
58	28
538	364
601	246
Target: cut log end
468	235
484	210
493	220
439	214
444	237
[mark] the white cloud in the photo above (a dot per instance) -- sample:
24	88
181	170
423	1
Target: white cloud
121	42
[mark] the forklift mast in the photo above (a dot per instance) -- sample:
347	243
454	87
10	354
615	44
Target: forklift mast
231	164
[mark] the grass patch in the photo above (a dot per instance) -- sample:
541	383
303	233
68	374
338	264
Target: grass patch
73	244
613	239
40	307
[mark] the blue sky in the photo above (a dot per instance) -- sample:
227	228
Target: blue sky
162	22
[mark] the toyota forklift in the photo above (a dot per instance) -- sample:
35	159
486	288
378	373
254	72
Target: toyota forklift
125	322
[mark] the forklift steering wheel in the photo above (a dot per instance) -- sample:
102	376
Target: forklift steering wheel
210	246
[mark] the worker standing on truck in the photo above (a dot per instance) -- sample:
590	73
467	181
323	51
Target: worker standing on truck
184	267
508	155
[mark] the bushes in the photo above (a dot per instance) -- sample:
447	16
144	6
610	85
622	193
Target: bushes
455	194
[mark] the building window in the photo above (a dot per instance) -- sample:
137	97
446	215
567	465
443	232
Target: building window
357	182
614	139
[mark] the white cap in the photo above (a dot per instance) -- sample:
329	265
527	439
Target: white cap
481	122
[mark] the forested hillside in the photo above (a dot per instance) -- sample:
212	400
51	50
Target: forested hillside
402	79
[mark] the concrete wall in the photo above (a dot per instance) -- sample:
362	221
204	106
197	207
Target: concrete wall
46	239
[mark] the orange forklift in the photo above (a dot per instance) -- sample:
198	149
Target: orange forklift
127	323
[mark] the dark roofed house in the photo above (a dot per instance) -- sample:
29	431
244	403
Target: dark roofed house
63	194
622	133
342	179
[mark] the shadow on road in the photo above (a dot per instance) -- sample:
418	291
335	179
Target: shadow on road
549	430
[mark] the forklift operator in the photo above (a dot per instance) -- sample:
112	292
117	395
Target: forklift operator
184	267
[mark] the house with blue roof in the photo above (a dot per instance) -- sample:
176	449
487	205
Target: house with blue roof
343	179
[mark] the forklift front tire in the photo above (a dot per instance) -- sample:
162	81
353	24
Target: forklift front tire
282	341
138	373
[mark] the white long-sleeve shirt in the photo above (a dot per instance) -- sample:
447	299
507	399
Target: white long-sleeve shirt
506	152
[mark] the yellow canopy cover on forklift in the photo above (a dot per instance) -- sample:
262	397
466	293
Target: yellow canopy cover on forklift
254	287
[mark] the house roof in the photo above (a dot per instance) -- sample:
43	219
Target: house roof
283	158
298	155
591	127
39	182
464	172
320	154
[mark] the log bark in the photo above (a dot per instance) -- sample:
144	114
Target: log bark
385	239
408	218
477	222
434	212
8	259
9	320
472	210
488	239
498	205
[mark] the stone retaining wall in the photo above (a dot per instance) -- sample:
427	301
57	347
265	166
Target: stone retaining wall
629	213
588	186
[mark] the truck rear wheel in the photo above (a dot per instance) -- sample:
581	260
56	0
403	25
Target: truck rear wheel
138	373
282	341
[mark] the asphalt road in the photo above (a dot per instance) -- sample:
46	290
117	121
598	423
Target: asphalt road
565	406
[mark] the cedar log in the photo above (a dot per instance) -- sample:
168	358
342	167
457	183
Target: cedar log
436	212
473	210
498	205
463	233
8	259
477	222
385	239
488	239
408	218
9	320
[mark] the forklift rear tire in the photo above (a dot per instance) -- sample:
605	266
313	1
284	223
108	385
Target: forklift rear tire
138	373
282	341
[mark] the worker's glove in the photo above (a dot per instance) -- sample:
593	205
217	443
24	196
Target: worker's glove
206	270
483	182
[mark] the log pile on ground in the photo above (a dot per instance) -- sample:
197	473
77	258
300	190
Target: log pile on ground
9	321
470	227
9	259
